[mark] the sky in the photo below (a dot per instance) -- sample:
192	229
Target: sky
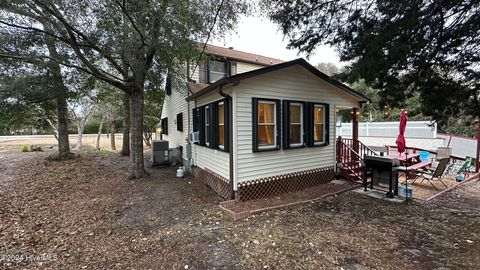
261	36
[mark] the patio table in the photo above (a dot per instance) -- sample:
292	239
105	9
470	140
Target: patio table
402	157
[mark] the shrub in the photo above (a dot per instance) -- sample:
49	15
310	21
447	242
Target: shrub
24	148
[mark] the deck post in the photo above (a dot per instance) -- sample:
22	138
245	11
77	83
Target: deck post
355	114
339	150
477	160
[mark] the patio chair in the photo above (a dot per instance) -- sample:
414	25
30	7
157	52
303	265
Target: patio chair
437	175
442	152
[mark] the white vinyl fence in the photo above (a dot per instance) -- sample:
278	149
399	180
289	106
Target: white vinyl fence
415	129
461	146
419	134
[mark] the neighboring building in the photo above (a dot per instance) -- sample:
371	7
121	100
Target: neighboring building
240	103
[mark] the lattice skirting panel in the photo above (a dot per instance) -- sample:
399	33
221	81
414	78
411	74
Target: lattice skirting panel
218	183
274	185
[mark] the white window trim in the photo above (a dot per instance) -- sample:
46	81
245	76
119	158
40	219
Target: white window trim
301	143
207	125
324	127
274	145
222	146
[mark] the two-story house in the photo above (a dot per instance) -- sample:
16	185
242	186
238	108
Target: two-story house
265	126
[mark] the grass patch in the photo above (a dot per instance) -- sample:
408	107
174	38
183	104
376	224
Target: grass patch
24	148
90	151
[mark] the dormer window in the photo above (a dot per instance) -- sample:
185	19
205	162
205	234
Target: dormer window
216	70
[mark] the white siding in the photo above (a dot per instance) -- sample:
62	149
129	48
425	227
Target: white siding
174	104
244	67
294	83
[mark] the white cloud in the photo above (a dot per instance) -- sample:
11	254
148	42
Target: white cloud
261	36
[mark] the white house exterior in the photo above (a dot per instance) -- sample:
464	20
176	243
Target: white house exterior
265	126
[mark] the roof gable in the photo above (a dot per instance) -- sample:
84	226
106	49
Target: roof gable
300	61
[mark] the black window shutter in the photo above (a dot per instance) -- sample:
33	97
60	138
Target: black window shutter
310	130
327	124
165	125
254	124
279	123
228	68
196	119
202	72
201	125
180	122
286	124
233	67
226	141
168	85
213	125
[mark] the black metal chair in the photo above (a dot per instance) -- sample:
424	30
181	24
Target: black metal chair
436	175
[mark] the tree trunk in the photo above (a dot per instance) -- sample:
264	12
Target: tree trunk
136	167
61	97
112	134
80	128
62	111
126	126
99	134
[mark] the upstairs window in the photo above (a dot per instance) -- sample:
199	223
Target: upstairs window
266	124
216	70
221	125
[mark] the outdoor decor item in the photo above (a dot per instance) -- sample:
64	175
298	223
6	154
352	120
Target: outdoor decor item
401	145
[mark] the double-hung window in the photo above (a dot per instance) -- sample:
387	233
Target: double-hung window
221	125
207	125
293	124
266	124
216	70
318	122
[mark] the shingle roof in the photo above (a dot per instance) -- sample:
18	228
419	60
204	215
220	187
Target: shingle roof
241	56
234	79
195	87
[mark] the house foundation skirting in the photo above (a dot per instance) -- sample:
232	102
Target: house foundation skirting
218	183
270	186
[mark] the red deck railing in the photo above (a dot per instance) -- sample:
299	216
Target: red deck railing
350	155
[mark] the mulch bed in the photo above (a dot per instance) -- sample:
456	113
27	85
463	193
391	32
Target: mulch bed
90	216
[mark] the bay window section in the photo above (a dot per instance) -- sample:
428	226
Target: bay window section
266	125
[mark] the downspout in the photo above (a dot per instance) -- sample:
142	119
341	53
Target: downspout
230	138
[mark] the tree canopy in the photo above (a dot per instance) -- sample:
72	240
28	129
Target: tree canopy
401	48
127	44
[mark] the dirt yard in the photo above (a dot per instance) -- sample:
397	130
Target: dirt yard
84	214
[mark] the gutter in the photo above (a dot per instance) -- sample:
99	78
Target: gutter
230	139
